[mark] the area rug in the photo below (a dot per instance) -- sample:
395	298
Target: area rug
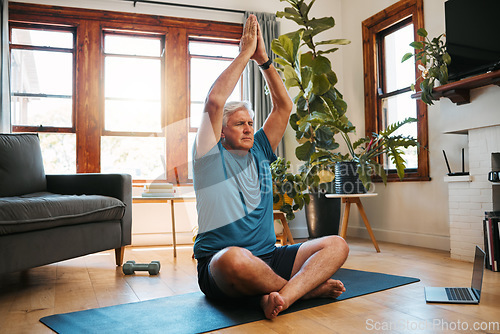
193	313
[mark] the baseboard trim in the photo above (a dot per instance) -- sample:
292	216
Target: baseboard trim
404	238
398	237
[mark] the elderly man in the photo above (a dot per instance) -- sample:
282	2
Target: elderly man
236	245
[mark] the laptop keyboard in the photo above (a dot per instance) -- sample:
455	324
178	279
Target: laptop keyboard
458	294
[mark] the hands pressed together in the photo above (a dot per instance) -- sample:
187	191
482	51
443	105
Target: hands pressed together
252	42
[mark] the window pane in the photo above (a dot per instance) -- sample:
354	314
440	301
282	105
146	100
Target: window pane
203	74
132	45
213	49
42	72
36	111
398	75
141	157
132	115
58	152
56	39
132	94
396	109
195	114
42	86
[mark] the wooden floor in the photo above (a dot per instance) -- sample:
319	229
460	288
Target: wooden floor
93	281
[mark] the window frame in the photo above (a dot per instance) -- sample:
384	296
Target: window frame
42	26
88	97
385	21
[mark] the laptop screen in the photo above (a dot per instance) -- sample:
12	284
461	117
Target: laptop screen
477	273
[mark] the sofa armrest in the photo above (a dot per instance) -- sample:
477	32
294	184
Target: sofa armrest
114	185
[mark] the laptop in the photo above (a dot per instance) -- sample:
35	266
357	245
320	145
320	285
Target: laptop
461	295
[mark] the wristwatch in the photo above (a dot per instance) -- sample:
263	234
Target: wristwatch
266	65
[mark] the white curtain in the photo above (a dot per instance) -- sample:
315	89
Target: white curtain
5	69
254	86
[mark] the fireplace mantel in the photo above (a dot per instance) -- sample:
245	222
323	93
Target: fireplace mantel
459	91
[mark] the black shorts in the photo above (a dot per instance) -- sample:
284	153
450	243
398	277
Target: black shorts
280	260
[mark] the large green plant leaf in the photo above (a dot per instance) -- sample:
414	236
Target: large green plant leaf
306	74
287	45
291	14
320	25
317	103
306	11
306	59
294	119
321	85
332	78
291	77
278	47
282	62
334	41
304	151
324	52
396	156
321	65
324	134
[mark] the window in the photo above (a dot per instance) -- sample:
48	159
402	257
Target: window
110	91
208	59
387	36
133	138
42	99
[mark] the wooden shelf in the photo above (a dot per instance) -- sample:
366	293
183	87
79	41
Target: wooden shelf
459	91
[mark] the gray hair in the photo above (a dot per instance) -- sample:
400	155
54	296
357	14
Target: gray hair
233	106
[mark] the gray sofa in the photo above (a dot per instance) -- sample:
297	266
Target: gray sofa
50	218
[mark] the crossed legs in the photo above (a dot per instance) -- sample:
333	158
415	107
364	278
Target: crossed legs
238	273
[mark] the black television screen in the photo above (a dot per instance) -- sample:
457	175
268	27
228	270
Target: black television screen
472	36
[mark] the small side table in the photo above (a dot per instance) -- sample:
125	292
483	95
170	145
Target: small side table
355	198
287	234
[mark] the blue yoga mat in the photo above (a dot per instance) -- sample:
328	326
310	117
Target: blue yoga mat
193	313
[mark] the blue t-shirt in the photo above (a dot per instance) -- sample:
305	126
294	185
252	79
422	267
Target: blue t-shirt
234	199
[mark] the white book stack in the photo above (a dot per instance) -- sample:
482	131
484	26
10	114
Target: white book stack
158	189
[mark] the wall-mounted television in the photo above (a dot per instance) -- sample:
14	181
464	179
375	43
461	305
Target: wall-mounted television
472	37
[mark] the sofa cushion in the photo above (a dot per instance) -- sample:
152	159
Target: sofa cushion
21	164
46	210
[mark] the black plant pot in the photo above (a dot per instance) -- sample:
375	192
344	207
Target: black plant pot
347	179
323	216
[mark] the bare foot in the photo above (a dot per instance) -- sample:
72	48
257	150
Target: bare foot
272	304
329	289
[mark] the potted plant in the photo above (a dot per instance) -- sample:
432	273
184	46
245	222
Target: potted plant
363	161
320	109
311	73
435	60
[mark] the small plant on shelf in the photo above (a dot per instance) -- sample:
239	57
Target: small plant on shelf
434	63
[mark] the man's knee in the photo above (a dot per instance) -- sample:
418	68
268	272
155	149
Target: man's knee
338	245
231	261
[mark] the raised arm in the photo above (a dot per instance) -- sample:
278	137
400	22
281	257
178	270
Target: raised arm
276	122
210	128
